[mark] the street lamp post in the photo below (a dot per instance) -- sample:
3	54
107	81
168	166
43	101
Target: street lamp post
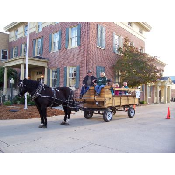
11	86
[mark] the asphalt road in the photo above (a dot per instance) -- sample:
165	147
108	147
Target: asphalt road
147	132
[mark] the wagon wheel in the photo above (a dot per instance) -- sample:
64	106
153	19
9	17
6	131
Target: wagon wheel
88	114
131	112
107	115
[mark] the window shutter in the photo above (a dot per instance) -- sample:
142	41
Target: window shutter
11	54
34	42
59	43
77	77
50	42
58	77
103	37
79	34
65	76
21	50
67	38
48	77
114	43
102	69
41	46
121	41
98	35
17	51
98	71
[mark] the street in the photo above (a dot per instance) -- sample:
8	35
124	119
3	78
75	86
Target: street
147	132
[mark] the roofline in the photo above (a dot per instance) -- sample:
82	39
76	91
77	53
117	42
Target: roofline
11	25
146	26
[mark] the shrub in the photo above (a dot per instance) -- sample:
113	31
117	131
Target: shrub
7	103
142	102
31	103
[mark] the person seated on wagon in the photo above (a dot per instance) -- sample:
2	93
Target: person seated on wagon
125	86
116	92
87	82
111	84
101	82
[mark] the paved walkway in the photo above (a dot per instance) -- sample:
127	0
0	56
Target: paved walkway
147	132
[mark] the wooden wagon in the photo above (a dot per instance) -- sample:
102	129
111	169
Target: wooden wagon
107	104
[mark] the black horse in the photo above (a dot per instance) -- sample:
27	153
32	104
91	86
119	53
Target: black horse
45	96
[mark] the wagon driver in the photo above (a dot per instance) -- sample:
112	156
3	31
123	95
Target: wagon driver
87	83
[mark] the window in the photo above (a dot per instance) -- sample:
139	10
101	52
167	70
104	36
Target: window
26	30
39	26
130	24
149	91
116	43
141	50
131	44
71	76
16	34
4	54
141	31
73	37
23	49
55	41
15	52
100	36
54	78
38	46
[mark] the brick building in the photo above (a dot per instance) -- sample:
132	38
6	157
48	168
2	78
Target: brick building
60	54
4	41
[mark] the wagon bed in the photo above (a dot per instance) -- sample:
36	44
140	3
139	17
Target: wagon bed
107	103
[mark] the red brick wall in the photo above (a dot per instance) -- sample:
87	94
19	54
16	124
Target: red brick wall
106	57
87	55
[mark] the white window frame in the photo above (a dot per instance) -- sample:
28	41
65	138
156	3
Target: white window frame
130	24
39	26
117	42
26	31
15	52
24	49
73	35
38	47
16	34
2	54
71	76
149	91
54	78
55	41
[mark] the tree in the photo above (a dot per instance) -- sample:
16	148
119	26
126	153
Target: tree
135	67
11	73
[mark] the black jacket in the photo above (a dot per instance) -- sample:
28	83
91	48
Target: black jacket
86	79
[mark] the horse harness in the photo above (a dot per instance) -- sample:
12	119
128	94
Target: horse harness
37	93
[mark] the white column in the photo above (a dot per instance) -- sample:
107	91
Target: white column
157	100
168	94
22	72
45	76
165	94
5	81
146	95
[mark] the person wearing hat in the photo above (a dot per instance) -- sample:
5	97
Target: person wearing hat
87	82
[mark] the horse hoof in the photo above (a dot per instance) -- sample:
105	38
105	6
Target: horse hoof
42	126
63	123
66	123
